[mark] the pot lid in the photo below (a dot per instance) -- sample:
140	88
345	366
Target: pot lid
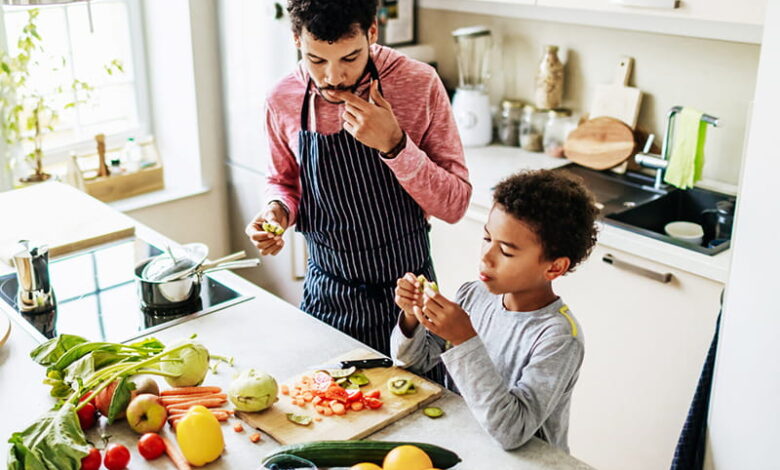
175	262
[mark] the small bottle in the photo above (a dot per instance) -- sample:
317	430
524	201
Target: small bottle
549	80
132	156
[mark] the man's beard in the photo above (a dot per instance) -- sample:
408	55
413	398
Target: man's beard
350	89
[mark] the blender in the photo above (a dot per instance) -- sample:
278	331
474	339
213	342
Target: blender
471	105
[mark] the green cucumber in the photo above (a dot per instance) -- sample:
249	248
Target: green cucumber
349	453
433	412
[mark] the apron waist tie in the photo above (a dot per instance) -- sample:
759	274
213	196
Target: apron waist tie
372	290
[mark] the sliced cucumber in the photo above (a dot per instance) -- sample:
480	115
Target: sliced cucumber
433	412
359	379
302	420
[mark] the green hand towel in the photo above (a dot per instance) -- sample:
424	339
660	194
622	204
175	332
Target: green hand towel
686	158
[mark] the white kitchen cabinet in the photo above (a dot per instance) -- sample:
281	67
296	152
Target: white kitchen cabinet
645	344
746	12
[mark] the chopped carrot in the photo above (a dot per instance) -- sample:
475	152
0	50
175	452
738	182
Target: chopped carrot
175	455
255	437
307	397
285	389
327	412
189	390
318	418
238	427
338	408
356	405
319	409
316	400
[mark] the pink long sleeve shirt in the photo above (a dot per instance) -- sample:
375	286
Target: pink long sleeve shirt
431	167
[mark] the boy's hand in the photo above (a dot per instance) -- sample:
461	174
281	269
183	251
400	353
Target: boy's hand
444	318
407	294
268	243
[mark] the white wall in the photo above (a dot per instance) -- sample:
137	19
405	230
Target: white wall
183	64
744	424
716	77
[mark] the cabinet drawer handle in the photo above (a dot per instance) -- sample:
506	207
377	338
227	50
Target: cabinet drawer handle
654	275
671	4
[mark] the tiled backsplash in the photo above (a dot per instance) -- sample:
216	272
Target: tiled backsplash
715	77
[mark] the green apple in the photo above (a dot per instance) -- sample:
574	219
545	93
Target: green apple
145	413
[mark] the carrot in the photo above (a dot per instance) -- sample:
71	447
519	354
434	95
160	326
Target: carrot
285	389
356	405
255	437
207	402
175	455
318	418
238	427
173	401
189	391
327	412
338	408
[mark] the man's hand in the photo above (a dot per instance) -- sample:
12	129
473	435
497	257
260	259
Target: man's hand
373	122
268	243
445	319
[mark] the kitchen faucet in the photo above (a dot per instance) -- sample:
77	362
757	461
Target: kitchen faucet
661	162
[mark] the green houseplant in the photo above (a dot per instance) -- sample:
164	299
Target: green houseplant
26	115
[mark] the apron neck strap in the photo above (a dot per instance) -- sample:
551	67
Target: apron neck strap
308	98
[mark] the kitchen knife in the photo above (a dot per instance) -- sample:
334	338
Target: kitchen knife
358	364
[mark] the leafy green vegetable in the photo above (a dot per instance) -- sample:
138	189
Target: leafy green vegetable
50	352
54	442
187	365
120	399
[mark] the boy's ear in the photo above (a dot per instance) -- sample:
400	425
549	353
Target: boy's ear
558	267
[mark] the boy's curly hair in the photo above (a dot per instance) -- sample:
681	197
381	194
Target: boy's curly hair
557	207
331	20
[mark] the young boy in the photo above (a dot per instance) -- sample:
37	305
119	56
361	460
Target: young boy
512	347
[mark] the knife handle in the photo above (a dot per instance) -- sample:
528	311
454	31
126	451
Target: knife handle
368	363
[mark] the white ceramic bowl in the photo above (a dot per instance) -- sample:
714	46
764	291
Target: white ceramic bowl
687	231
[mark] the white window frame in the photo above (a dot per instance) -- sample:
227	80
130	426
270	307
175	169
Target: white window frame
141	82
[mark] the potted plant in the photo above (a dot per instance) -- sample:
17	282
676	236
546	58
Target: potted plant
26	115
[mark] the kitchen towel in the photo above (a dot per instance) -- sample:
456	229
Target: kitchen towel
686	159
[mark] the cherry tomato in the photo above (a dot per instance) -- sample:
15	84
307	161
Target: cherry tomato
117	457
92	460
87	416
151	445
372	403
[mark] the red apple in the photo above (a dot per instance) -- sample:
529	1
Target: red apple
103	400
145	413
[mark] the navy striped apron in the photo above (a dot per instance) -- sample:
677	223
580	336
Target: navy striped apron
363	232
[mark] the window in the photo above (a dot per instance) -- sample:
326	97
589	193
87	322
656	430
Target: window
117	105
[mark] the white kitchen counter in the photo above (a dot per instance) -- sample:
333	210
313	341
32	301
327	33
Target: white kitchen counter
489	165
268	334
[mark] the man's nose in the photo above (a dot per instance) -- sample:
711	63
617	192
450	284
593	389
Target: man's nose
334	76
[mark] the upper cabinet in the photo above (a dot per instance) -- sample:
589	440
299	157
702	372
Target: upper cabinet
726	20
749	12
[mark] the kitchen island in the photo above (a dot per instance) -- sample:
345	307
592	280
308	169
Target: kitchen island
268	334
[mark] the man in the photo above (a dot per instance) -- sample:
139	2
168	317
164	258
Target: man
363	149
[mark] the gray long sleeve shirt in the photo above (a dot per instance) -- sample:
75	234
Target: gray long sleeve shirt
516	375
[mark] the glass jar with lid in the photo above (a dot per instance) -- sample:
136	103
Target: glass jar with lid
509	122
532	128
558	126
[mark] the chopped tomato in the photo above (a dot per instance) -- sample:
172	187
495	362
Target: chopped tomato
372	403
335	392
354	395
373	394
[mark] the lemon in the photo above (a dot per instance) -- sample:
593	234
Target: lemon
365	466
407	457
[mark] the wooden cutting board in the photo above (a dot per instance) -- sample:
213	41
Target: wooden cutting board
600	143
618	100
60	216
354	424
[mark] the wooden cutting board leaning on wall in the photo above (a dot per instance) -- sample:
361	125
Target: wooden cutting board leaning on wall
600	143
354	424
618	100
45	213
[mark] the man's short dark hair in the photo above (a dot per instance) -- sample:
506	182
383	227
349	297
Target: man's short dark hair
331	20
557	207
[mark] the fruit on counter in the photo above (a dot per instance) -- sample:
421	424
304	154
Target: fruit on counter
117	457
92	460
407	457
144	384
426	283
365	466
103	400
151	446
401	385
146	414
253	390
433	412
87	416
200	436
187	366
273	227
348	453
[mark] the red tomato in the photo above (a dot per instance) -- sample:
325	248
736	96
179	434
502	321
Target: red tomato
92	460
354	395
87	416
335	392
374	394
117	457
372	403
151	445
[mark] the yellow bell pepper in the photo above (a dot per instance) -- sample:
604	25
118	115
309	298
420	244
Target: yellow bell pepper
200	436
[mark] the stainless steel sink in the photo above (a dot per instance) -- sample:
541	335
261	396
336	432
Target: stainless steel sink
630	202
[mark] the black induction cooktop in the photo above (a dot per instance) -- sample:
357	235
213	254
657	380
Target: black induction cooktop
97	296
